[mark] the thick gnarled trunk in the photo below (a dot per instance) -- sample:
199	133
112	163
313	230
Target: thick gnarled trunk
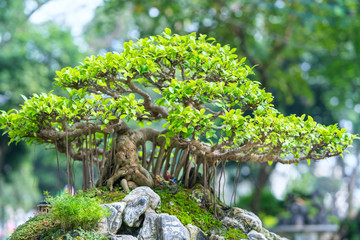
124	166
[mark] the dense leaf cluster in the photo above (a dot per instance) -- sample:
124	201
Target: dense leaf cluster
202	91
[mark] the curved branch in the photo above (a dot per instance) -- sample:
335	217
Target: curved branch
77	130
142	135
153	108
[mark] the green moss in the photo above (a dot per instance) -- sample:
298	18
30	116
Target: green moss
110	197
34	228
44	227
234	234
187	211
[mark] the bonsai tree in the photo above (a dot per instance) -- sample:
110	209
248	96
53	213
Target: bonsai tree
196	89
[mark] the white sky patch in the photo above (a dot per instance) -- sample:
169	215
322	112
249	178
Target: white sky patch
357	108
154	12
323	168
347	124
280	177
73	13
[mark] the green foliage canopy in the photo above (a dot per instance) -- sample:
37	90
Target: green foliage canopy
204	95
306	52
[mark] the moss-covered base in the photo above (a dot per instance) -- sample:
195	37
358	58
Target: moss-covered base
179	204
187	211
43	227
35	228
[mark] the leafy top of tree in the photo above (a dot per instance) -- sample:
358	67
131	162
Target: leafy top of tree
201	91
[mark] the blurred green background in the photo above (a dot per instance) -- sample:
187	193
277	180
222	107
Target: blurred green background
307	54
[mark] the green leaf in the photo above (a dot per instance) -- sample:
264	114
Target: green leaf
144	69
112	117
25	98
168	31
156	90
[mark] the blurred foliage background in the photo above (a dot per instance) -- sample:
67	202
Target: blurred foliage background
307	53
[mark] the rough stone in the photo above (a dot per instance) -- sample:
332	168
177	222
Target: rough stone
254	235
195	232
112	223
233	223
123	237
216	237
102	226
162	227
248	219
272	236
198	194
170	228
154	199
115	223
134	209
148	230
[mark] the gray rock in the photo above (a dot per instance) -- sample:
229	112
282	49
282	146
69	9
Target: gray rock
237	218
200	195
254	235
216	237
103	227
195	232
112	223
248	219
271	236
134	209
148	230
123	237
154	199
162	227
233	223
170	228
